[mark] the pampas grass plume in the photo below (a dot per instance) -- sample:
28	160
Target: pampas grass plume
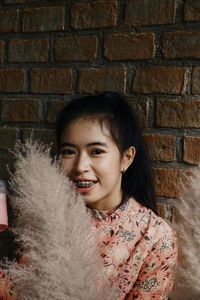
55	232
188	229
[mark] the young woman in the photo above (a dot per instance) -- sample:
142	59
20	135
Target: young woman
102	152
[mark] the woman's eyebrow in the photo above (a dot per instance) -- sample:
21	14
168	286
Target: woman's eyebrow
97	144
66	144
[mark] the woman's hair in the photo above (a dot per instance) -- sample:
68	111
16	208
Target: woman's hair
113	110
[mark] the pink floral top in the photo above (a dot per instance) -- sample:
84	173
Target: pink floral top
7	291
138	249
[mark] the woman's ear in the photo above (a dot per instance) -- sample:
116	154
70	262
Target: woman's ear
127	158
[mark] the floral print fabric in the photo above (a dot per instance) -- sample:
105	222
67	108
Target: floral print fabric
6	289
138	249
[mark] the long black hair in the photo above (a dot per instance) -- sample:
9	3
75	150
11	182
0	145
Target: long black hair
113	109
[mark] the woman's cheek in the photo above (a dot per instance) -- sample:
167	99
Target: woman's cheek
109	167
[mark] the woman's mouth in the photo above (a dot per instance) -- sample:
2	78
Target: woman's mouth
84	186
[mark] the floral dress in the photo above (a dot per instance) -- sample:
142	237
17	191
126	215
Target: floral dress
138	249
7	291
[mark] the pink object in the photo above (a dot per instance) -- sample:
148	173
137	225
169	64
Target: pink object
3	207
3	213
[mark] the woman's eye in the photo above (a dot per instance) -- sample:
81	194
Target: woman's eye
97	151
67	152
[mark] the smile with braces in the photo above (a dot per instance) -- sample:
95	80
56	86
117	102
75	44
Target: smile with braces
84	184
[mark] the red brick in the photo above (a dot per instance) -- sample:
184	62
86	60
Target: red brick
20	1
149	12
161	148
164	211
17	110
192	10
99	80
141	110
191	150
33	50
52	80
169	80
9	20
94	14
12	80
53	109
178	113
196	81
1	51
129	46
167	182
8	138
181	44
44	19
78	48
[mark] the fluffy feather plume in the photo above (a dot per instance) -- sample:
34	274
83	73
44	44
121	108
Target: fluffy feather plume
188	228
55	232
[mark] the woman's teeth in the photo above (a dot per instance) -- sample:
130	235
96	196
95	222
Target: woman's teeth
84	184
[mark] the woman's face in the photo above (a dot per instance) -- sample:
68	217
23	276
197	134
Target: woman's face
93	162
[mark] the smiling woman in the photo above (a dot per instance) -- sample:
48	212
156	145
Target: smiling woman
102	152
93	162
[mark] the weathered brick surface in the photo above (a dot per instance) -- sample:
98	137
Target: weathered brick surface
78	48
32	50
165	211
94	14
196	81
191	150
52	80
129	46
192	10
41	60
12	80
16	110
53	109
172	80
148	12
161	148
178	113
181	44
9	21
43	19
167	182
104	79
1	51
141	109
20	1
8	138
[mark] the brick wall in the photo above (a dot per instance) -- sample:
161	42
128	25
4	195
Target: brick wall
52	50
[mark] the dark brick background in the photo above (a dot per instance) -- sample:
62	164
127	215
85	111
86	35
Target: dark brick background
53	50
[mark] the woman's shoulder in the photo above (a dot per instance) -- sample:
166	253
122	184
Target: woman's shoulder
151	224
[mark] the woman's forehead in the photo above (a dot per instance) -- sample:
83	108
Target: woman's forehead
89	130
98	123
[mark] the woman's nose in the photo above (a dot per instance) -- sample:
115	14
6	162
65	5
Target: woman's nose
82	163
